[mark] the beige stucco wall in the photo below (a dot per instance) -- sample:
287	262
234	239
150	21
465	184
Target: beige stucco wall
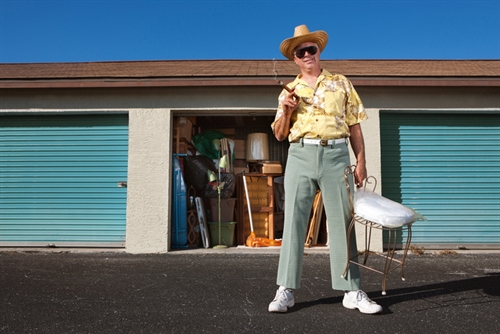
239	97
148	183
371	134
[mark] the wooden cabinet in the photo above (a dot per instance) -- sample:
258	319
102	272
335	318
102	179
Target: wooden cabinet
261	191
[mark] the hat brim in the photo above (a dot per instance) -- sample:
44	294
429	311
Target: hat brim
319	37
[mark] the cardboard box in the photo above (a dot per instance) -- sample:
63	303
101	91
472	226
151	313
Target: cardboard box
271	168
240	149
183	128
229	132
238	170
182	148
240	163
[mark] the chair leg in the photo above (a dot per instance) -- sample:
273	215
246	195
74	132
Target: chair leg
368	235
388	255
391	248
405	252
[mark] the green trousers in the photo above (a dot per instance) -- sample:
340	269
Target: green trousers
309	168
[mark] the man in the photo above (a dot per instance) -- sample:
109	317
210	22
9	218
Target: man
318	115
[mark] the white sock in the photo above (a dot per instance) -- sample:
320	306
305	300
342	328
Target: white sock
282	288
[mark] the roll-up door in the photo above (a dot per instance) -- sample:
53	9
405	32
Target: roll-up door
60	180
447	167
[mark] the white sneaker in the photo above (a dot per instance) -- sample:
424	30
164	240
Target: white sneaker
282	301
359	299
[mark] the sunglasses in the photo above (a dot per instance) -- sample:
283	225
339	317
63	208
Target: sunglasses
300	53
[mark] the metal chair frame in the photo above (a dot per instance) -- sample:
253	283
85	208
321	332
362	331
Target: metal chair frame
369	226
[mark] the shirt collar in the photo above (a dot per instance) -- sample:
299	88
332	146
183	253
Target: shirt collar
323	74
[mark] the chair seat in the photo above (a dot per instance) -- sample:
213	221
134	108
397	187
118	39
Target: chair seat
380	210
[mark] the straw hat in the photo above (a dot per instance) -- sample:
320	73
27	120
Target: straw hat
302	35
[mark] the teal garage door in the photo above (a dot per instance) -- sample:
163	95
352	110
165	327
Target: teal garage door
447	167
59	180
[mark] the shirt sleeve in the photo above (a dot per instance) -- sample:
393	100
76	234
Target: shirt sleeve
279	111
355	111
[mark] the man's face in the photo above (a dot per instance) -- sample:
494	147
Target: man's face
303	56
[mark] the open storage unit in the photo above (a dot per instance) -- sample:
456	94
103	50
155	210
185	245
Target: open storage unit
233	209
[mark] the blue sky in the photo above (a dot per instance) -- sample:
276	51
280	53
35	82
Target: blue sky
104	30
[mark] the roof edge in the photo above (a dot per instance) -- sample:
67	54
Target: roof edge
243	81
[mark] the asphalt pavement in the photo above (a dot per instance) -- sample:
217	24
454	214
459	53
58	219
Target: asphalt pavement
229	292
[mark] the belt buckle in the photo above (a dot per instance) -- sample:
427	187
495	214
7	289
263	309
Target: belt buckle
323	142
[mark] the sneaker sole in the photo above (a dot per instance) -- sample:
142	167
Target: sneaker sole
353	307
280	311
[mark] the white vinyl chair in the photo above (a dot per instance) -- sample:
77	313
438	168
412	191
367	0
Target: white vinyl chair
376	212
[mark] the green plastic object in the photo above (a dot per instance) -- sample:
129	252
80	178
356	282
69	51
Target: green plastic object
227	233
204	143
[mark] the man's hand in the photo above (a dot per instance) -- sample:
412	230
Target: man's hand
282	127
358	147
360	174
289	103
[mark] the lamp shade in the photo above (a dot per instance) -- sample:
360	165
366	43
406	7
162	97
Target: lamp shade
257	147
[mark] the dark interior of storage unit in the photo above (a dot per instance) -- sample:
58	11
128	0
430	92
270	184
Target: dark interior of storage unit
265	189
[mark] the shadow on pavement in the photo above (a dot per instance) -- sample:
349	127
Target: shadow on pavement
479	288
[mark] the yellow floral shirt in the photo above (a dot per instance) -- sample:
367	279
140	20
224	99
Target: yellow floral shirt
334	106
